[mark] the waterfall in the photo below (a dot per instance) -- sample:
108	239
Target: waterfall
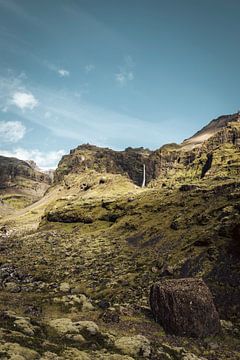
144	176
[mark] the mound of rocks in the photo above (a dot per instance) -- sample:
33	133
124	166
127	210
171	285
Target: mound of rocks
184	307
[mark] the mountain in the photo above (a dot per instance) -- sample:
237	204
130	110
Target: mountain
21	183
214	151
210	130
79	263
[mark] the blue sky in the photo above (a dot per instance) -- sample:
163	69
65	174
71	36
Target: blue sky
113	73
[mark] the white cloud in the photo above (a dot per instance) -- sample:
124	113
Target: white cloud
59	70
11	131
125	73
63	72
89	68
24	100
123	77
89	123
44	160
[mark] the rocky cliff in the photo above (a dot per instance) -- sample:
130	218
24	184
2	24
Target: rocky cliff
21	183
217	155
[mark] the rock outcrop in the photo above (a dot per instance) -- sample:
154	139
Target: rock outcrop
185	307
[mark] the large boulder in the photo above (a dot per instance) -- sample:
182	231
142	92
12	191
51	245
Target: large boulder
184	307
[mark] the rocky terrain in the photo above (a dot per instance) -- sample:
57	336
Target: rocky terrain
77	266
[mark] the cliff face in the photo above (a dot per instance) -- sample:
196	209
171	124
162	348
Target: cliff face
20	183
11	168
218	155
103	160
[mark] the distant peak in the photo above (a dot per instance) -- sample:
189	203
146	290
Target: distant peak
209	130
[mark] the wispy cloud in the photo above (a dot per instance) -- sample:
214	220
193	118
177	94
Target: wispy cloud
24	100
11	131
63	73
123	77
125	73
60	71
89	68
45	160
89	123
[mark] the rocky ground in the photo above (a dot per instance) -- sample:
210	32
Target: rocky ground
77	287
77	266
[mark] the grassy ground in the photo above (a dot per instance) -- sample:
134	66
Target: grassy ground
110	240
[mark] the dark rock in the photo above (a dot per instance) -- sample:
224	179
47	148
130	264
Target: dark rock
167	270
110	316
184	307
104	304
175	224
187	187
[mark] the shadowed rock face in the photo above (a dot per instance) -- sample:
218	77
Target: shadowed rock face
184	307
21	183
10	168
103	160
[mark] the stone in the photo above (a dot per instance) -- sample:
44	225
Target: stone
77	331
104	304
177	353
112	357
24	326
16	352
48	355
64	287
21	324
61	327
75	354
134	346
12	287
110	316
184	307
227	326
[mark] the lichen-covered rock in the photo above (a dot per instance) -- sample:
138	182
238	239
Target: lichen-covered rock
75	354
100	356
79	332
13	351
80	301
64	287
184	307
22	324
67	329
48	355
177	353
134	346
